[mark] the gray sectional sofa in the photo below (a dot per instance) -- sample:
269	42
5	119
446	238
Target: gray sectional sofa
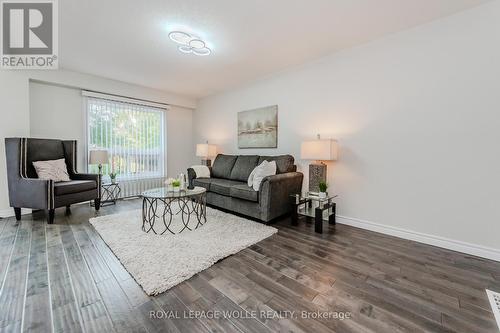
227	186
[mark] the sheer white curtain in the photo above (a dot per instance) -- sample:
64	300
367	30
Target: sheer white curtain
133	135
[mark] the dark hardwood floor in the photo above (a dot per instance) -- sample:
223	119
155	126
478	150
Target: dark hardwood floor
63	278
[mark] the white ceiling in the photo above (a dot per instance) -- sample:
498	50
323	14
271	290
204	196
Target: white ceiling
128	40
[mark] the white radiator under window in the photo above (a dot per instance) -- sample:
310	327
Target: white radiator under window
132	188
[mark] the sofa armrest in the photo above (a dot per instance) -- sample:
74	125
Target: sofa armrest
89	176
192	176
86	176
275	191
25	192
32	193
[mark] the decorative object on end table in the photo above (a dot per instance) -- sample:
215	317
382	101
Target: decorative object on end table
322	189
113	174
258	128
100	157
205	151
318	150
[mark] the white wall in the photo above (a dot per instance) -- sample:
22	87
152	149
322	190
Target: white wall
14	121
57	112
180	147
54	110
416	115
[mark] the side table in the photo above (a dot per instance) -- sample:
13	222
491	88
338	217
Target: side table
110	192
321	209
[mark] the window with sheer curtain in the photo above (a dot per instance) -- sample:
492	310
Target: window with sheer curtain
133	135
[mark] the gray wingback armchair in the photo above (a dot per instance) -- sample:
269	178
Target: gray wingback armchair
27	191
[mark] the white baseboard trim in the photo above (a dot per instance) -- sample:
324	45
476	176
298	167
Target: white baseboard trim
8	212
446	243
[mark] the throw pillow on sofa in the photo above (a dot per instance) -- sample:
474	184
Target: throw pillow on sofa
252	174
260	172
55	170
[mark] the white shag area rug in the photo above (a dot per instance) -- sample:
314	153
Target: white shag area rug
159	262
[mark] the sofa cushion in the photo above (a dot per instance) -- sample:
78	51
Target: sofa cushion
74	186
284	163
222	186
243	167
203	182
244	192
223	165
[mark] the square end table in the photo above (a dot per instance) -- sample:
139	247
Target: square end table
321	209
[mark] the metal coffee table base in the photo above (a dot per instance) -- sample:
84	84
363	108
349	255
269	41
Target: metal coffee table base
193	211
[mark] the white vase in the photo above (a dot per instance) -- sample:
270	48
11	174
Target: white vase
322	195
177	188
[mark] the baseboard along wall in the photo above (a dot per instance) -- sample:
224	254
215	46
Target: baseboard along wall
446	243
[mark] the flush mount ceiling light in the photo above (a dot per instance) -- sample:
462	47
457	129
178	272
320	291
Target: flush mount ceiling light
189	43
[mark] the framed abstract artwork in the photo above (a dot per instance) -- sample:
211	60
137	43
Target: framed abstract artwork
258	128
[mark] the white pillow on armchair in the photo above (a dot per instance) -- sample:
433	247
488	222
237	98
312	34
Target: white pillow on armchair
55	170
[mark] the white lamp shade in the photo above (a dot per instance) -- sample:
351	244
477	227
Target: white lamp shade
319	150
98	157
205	150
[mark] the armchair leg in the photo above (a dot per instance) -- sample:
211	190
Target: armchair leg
50	217
17	211
97	204
68	210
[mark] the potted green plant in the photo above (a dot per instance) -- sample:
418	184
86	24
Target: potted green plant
176	184
323	186
113	175
168	184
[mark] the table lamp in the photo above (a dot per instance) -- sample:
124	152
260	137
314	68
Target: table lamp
100	157
205	151
318	150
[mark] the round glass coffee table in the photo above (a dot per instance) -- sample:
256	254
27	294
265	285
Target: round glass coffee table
161	205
